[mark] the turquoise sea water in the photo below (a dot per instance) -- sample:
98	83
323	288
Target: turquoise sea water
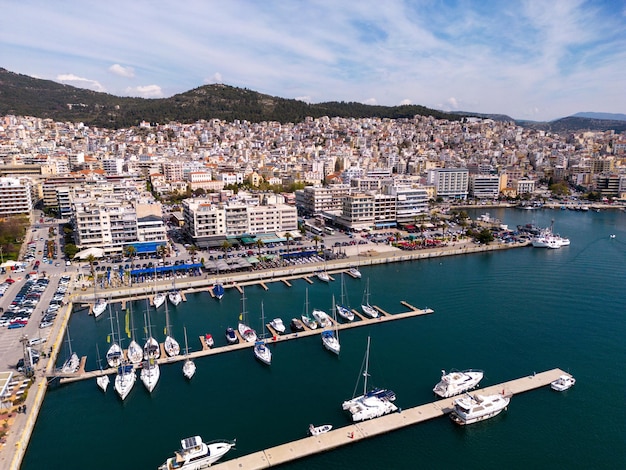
509	313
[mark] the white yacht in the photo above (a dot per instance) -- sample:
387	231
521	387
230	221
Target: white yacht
278	325
457	382
354	272
159	299
134	352
195	454
563	383
247	333
330	338
367	309
114	353
322	318
171	346
342	308
124	380
473	408
150	373
103	382
151	349
548	239
99	307
175	297
261	351
373	403
317	430
323	276
189	367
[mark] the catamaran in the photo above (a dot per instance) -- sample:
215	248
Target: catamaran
372	403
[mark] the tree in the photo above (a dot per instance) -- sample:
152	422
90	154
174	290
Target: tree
192	250
130	251
485	236
288	236
70	250
225	246
259	244
316	240
162	251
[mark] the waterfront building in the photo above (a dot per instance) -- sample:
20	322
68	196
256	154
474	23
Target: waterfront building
411	202
450	183
525	186
484	186
318	199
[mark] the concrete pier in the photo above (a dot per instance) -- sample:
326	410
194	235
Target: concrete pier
352	433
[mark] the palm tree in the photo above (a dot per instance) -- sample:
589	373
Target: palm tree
288	236
259	244
162	251
316	239
91	259
192	250
130	252
225	247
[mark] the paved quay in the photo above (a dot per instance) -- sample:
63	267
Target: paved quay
350	434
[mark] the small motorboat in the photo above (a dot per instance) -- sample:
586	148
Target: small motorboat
563	383
317	430
231	337
296	325
278	325
208	339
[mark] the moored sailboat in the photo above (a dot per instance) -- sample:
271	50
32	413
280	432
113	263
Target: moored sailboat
189	367
124	380
102	380
342	309
171	346
367	309
330	339
134	353
308	321
261	351
247	333
114	353
72	363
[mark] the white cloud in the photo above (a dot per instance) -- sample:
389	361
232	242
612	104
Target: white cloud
147	91
306	99
215	78
452	103
370	101
122	71
80	82
405	102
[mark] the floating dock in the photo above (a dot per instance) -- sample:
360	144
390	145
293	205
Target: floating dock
350	434
362	321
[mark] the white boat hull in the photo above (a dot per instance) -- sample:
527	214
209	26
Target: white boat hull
472	409
457	382
189	369
563	383
103	382
171	346
263	353
150	375
196	460
124	383
134	352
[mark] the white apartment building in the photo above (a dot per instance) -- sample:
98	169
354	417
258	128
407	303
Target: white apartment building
15	196
317	199
231	178
364	210
410	203
209	224
485	186
450	183
113	166
173	171
525	186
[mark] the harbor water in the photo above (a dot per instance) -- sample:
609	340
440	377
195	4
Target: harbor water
510	313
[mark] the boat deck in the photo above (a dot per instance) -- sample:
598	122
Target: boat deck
358	322
352	433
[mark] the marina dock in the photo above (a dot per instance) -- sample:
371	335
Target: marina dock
352	433
362	321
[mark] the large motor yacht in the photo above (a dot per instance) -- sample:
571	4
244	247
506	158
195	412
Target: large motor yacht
457	382
473	408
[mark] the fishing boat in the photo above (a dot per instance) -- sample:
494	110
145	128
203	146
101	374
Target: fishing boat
218	291
372	403
124	380
457	382
189	367
317	430
150	373
563	383
231	337
208	340
367	309
171	346
99	307
278	325
330	338
114	353
195	454
175	297
261	351
247	333
159	299
308	321
473	408
102	380
342	309
72	363
296	325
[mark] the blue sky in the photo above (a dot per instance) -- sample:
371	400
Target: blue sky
538	60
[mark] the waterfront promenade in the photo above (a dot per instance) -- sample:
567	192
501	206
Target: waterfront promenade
12	453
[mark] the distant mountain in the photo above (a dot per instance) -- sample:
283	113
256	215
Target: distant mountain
603	116
576	124
28	96
494	117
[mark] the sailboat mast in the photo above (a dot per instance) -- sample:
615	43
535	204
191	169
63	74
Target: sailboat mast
367	363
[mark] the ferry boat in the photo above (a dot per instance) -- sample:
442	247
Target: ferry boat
457	382
563	383
473	408
195	454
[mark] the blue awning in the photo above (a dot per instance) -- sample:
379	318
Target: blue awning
165	269
146	247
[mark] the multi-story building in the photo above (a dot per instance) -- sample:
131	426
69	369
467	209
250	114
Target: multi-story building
410	203
484	186
525	186
15	196
450	183
317	199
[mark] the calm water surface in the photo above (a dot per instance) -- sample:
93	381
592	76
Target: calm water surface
509	313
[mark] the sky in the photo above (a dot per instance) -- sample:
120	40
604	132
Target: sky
536	60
